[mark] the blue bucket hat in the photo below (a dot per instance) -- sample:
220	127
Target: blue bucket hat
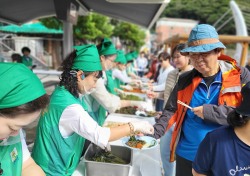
203	38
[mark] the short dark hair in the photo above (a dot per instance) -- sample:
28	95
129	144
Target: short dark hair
16	58
30	107
178	47
165	55
235	119
130	61
25	49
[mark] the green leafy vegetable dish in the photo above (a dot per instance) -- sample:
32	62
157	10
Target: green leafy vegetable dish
107	157
130	97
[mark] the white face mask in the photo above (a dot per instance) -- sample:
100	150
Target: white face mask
89	91
108	66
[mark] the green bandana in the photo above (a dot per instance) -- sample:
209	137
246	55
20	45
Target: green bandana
129	57
107	48
134	54
120	57
19	85
87	58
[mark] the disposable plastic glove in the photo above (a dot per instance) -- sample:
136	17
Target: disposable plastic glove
143	127
107	148
139	104
119	91
126	87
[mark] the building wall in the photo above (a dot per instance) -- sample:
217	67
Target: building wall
167	27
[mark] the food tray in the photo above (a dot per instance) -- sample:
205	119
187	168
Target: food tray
94	168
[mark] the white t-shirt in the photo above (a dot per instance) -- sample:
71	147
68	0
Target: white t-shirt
75	119
104	78
109	101
142	63
161	80
26	153
116	73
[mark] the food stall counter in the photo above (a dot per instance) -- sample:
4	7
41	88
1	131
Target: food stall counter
144	162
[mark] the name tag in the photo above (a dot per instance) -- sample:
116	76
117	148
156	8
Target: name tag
14	155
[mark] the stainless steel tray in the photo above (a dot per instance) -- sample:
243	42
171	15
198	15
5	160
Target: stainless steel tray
94	168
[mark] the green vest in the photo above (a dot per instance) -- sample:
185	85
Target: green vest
110	82
56	155
130	69
95	110
11	158
27	61
118	83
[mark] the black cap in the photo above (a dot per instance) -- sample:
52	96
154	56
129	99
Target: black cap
244	108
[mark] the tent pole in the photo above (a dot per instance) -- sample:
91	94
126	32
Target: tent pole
67	38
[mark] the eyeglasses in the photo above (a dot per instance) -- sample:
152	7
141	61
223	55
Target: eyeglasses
110	58
177	56
197	55
113	61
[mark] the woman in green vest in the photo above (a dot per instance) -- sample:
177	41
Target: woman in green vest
22	98
104	98
120	65
108	54
130	64
62	130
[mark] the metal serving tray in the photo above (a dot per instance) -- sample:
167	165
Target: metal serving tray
94	168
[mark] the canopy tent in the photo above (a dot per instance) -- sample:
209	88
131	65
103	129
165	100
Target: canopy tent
34	28
141	14
19	12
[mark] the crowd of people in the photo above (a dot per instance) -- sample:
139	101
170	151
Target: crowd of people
208	136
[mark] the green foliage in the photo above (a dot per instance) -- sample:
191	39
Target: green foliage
103	24
88	27
92	27
96	26
244	6
51	22
131	34
205	11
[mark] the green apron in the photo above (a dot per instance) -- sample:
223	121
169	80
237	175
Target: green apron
110	86
95	110
11	157
130	69
118	83
56	155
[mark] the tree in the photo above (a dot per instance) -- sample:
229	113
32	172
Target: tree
89	27
96	26
93	27
131	35
51	22
203	11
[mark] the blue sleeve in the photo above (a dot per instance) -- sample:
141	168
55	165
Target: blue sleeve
203	159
